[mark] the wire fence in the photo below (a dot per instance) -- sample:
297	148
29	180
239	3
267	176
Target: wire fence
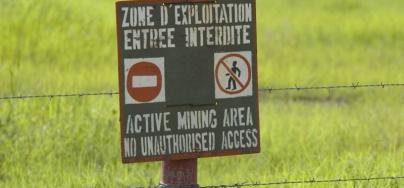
356	85
312	181
296	182
51	96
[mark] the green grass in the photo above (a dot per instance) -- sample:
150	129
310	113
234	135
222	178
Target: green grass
64	46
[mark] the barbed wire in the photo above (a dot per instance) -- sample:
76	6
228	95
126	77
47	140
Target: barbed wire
330	87
270	90
295	182
51	96
312	181
356	85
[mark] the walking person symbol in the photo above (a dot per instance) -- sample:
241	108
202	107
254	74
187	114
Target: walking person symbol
231	84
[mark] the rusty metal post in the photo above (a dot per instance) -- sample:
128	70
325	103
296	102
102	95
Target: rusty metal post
179	174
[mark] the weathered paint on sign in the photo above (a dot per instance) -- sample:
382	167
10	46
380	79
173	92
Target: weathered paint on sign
187	78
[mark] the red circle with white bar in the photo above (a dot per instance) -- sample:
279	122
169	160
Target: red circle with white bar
144	81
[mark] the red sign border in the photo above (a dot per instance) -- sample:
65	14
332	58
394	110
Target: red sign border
121	89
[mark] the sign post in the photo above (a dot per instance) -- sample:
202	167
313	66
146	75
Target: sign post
179	173
187	82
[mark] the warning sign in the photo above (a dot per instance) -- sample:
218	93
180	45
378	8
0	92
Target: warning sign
144	80
188	84
233	76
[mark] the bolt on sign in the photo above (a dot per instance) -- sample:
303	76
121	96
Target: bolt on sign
187	78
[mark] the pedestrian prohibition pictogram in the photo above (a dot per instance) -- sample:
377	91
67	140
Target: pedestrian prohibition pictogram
144	80
233	74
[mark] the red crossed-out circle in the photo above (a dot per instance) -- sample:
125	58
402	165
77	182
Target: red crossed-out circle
144	94
242	85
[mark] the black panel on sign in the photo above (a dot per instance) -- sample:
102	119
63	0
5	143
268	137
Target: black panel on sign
185	85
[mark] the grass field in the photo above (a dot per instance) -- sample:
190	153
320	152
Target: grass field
69	46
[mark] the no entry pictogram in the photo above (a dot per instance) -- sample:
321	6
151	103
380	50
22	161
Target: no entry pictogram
233	73
144	81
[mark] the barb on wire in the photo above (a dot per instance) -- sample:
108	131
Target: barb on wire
268	90
312	181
